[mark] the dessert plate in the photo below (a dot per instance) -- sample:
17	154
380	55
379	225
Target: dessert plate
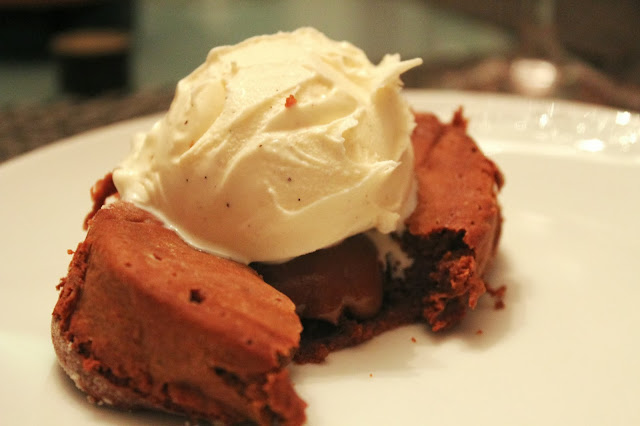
564	350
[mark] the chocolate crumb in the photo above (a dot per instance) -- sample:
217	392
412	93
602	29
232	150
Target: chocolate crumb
196	296
498	296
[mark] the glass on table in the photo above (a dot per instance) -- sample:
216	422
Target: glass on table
540	66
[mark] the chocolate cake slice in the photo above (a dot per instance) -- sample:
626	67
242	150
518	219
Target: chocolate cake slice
458	221
145	321
451	238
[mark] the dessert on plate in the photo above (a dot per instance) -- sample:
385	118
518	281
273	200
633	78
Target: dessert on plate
289	204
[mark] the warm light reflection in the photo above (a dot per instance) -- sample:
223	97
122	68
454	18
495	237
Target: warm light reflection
591	145
534	77
628	140
623	118
543	120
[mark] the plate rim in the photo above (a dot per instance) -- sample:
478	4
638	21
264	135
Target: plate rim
419	95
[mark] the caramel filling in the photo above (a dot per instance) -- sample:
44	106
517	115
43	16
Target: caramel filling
328	282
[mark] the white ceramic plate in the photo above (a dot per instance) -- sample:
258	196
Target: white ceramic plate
564	351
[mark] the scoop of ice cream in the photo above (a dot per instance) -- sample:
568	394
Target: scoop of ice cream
276	147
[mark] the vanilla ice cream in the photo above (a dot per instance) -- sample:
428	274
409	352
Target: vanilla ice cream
278	146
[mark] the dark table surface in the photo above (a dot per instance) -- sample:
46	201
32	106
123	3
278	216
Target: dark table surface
25	128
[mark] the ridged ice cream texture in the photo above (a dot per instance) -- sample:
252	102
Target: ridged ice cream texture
238	171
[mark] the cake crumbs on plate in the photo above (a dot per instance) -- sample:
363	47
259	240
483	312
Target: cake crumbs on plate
498	295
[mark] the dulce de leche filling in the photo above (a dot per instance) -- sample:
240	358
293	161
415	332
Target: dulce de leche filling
325	283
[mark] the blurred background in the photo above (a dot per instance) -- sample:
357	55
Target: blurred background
69	65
